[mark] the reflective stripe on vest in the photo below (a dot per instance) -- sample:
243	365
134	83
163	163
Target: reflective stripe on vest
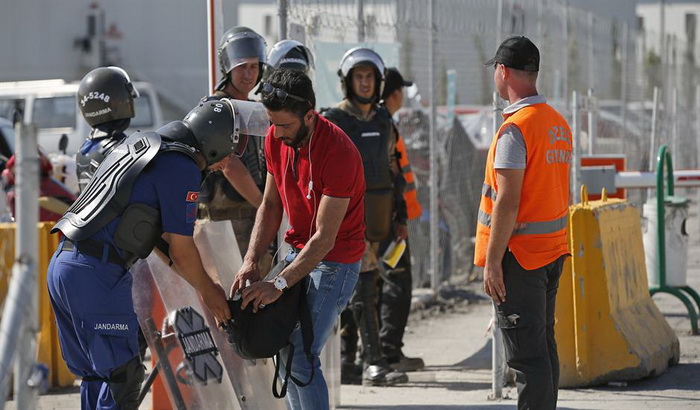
530	228
488	192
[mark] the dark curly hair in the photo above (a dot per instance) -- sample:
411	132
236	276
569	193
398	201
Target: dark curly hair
295	83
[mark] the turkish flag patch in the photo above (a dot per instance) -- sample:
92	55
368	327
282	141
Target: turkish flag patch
192	196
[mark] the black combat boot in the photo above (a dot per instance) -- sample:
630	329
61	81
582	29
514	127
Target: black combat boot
377	371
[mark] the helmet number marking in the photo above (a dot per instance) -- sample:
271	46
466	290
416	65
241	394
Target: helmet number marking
94	95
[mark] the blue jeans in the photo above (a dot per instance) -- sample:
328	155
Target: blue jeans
330	286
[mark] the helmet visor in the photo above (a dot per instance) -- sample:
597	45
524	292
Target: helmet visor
251	118
240	50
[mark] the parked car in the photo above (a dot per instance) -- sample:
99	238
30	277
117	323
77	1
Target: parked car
52	106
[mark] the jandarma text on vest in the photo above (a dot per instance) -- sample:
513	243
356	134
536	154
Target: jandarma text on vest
111	326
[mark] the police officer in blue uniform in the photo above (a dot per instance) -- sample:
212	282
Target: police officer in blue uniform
144	190
106	100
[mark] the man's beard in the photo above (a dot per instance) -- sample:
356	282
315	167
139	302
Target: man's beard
296	140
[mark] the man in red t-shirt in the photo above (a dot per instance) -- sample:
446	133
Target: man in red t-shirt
315	175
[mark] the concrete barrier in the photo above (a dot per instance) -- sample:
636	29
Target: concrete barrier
603	303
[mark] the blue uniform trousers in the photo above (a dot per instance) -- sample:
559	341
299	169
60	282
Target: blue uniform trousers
97	326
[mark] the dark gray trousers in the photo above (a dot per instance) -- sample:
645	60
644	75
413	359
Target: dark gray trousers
527	321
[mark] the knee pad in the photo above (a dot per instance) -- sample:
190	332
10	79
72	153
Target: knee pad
125	383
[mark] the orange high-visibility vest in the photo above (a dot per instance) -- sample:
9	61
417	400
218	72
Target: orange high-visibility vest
544	201
410	194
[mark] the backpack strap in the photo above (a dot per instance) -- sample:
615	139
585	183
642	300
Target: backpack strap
307	334
288	373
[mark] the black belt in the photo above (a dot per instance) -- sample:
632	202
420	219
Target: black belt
93	248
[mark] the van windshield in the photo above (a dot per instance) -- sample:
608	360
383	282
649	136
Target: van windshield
144	116
55	112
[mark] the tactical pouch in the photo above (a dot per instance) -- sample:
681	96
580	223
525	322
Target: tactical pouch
138	230
379	205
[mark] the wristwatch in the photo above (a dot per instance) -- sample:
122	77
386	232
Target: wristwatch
280	283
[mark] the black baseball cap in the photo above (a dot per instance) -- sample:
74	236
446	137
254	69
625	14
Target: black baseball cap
517	52
393	80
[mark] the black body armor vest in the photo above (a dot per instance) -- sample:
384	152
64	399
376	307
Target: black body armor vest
372	140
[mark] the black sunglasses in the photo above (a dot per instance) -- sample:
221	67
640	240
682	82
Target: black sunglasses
280	94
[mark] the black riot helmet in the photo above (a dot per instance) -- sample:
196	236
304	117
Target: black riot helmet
236	46
215	128
106	94
356	57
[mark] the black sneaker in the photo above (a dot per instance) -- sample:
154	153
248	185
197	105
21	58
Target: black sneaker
406	364
381	374
350	373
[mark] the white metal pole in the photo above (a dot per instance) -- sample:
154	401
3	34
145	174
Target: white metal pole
497	359
592	122
434	183
623	87
565	61
697	133
674	128
282	14
591	54
652	143
576	152
214	32
19	325
361	21
497	352
499	22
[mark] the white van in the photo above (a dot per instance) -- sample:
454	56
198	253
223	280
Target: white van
53	107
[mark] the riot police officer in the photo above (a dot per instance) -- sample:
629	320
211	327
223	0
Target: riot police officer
106	230
289	54
106	100
233	190
369	126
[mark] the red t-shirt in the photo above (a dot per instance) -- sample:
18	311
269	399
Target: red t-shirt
337	171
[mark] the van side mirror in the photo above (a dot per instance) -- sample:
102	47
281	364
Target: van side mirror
63	143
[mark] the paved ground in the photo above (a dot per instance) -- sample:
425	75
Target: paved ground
457	351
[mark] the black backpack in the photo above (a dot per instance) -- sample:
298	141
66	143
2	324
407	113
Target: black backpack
263	334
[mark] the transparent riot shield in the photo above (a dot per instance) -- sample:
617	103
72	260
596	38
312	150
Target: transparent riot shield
252	379
198	367
185	344
330	364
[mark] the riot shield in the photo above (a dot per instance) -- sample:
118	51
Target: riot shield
330	364
199	368
252	379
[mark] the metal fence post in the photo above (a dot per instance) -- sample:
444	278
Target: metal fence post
654	126
434	183
282	13
19	325
591	107
497	360
576	153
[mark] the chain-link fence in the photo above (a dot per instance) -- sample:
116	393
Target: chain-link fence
613	67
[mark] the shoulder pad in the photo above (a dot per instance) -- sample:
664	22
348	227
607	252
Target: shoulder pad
108	192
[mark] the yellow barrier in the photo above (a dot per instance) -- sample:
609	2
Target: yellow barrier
48	349
603	304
